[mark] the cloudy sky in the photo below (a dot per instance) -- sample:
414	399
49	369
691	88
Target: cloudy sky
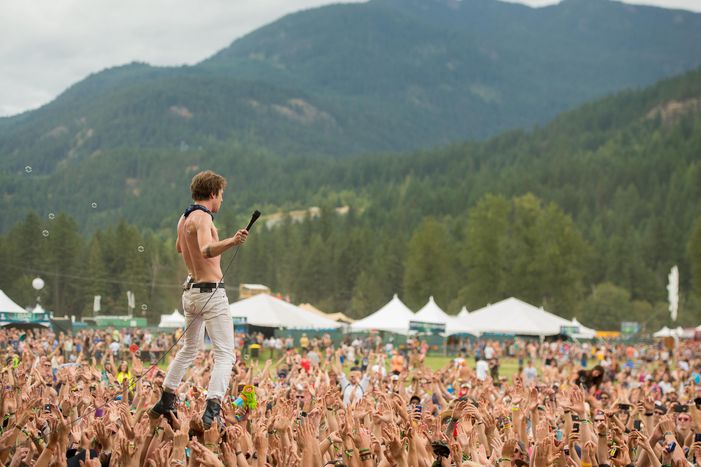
47	45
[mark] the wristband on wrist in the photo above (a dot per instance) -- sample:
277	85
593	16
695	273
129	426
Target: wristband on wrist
504	459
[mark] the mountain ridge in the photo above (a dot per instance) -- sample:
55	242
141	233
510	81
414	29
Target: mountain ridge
382	76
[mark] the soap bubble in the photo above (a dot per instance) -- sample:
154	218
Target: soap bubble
52	215
94	205
28	169
144	307
45	233
141	249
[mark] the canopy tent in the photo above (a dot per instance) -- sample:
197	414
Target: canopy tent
513	316
173	320
393	317
463	313
267	311
38	309
666	332
340	317
432	313
8	306
584	332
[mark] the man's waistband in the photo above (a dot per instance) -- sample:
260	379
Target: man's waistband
206	286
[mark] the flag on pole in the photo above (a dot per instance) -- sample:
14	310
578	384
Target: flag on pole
673	292
96	304
131	303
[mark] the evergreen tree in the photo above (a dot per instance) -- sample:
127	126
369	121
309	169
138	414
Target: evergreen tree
430	265
694	251
484	253
606	307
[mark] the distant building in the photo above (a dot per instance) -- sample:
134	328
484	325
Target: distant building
249	290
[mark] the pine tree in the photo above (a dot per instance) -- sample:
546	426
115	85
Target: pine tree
430	265
694	252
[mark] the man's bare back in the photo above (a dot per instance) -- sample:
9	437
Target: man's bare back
202	269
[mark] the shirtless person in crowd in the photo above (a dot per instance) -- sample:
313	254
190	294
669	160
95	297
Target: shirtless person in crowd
204	299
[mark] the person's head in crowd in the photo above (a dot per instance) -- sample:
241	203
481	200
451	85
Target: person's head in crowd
354	375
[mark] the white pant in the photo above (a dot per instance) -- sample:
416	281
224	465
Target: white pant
216	319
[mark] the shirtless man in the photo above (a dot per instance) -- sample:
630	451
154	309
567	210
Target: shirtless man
204	298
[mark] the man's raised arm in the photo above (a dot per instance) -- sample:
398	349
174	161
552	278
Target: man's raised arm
211	248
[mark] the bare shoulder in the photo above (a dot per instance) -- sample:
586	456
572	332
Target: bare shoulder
198	220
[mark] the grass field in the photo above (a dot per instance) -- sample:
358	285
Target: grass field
508	366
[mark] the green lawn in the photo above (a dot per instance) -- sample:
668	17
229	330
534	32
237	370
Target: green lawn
508	367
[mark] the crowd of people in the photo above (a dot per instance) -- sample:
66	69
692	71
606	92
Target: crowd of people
83	399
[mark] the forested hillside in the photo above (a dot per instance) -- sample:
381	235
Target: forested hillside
584	216
386	75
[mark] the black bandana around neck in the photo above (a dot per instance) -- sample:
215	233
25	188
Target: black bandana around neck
197	207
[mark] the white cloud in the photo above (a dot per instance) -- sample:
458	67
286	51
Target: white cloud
47	45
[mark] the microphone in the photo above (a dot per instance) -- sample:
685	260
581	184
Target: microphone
254	217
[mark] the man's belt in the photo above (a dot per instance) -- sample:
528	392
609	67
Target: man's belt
207	286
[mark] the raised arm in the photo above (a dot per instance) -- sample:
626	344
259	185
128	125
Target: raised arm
210	248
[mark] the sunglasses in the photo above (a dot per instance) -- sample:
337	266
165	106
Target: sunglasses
684	419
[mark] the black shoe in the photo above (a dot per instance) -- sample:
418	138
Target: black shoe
211	413
164	407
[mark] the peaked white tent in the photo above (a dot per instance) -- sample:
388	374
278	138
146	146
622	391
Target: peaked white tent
463	313
173	320
666	332
432	313
8	306
265	310
393	317
584	332
513	316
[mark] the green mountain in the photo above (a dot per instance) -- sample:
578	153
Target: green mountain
387	75
584	216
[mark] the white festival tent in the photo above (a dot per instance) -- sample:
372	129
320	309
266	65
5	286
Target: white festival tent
666	332
8	306
267	311
432	313
393	317
173	320
584	332
513	316
463	313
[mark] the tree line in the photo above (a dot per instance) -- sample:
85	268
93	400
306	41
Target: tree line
520	246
